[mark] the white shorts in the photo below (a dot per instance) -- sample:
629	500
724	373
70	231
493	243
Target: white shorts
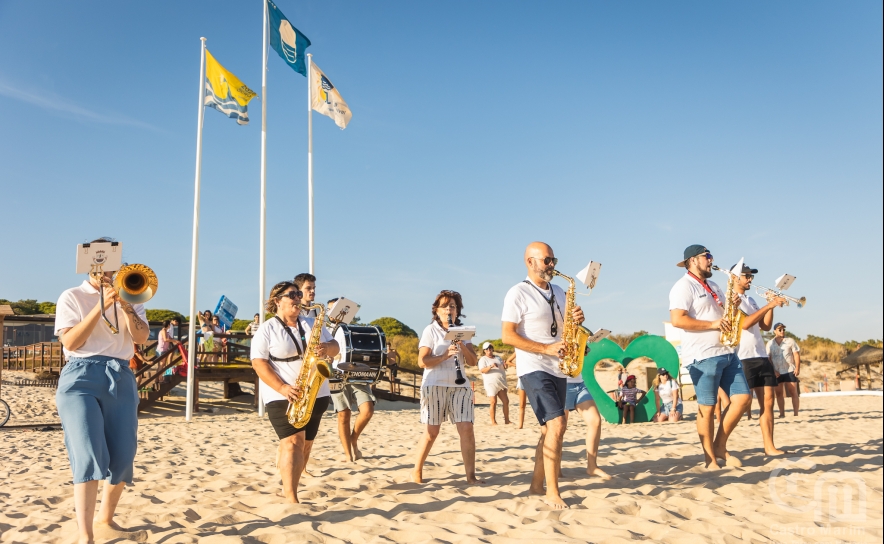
439	403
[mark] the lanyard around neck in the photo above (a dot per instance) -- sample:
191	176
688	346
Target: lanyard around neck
554	328
706	286
292	336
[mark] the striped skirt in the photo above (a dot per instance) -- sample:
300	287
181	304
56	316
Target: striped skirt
439	403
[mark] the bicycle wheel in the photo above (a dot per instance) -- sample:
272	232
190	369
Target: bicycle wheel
5	412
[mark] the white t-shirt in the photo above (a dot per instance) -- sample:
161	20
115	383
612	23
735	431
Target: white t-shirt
485	362
271	339
687	294
751	342
75	304
530	311
781	355
442	374
664	391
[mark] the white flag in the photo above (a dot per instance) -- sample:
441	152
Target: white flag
327	100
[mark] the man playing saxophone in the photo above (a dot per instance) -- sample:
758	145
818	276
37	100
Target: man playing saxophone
696	306
533	321
277	352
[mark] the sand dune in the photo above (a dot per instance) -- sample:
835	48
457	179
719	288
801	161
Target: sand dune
214	481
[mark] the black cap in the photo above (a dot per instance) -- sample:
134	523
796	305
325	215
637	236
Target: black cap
778	325
663	371
746	269
692	251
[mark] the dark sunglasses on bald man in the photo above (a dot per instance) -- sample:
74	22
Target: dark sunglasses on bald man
548	260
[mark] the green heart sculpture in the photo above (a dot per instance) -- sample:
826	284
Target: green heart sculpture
656	348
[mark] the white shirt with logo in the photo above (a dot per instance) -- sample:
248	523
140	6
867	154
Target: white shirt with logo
751	342
689	295
781	355
664	391
73	307
530	311
271	339
444	373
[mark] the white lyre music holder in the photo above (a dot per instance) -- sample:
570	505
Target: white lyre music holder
343	311
99	257
461	334
598	336
784	282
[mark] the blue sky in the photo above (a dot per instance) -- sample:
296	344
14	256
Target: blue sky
617	132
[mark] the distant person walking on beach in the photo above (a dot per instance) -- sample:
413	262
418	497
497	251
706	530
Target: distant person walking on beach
757	367
784	354
494	378
393	367
253	325
276	352
695	306
532	321
441	397
97	400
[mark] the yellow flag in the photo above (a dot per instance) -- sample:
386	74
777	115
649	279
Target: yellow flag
225	92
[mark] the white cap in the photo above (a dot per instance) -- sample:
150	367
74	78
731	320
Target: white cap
486	345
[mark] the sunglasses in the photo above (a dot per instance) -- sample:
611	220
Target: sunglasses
292	295
548	260
749	276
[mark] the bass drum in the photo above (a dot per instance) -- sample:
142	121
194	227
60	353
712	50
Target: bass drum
362	345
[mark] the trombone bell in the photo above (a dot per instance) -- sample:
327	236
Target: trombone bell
136	283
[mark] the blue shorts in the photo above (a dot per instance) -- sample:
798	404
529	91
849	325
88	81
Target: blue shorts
577	394
667	407
97	400
547	395
725	371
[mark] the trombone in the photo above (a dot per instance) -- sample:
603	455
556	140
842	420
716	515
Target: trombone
134	283
769	293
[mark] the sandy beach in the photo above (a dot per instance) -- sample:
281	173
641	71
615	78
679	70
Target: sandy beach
214	481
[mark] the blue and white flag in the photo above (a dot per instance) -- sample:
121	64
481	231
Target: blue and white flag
287	40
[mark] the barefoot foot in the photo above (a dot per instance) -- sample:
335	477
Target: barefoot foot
598	473
473	480
417	476
774	452
536	491
112	531
555	501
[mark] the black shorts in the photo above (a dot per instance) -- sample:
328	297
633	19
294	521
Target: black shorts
787	377
759	372
546	393
276	414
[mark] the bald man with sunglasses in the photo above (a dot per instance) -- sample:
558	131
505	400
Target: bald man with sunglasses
533	319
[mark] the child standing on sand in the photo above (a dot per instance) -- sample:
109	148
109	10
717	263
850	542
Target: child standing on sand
629	397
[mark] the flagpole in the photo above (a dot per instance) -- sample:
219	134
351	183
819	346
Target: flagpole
262	245
310	155
191	332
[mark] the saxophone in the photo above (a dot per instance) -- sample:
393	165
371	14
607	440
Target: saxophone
574	335
732	313
314	371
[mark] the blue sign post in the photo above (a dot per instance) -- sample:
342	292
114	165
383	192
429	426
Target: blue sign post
226	312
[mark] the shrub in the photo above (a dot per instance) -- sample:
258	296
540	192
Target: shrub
162	315
407	348
393	327
24	307
499	346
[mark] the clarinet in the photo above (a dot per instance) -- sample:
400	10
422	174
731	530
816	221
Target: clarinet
459	379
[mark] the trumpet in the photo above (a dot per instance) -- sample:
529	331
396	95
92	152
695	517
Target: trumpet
769	293
134	283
